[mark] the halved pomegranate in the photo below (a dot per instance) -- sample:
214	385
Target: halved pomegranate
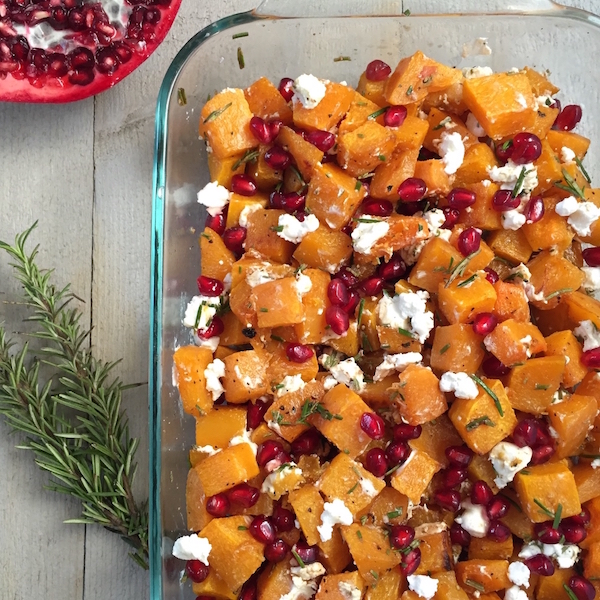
66	50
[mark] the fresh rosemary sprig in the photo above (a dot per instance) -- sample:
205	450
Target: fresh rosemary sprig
73	422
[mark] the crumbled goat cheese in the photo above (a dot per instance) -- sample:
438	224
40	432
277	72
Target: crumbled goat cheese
507	460
304	584
564	554
509	175
215	197
349	591
459	383
290	383
595	463
333	513
519	573
513	219
521	100
200	311
329	383
435	220
523	275
589	333
396	362
452	150
591	283
211	343
210	450
515	593
526	341
308	90
542	102
581	215
192	547
366	234
474	127
244	438
246	212
213	372
567	155
423	585
349	373
257	275
268	485
294	230
474	519
303	284
475	72
367	487
407	311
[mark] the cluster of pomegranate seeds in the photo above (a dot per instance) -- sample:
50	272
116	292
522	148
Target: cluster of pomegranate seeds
534	433
337	319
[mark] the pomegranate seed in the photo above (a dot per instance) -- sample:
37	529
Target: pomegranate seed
244	494
373	425
461	198
481	493
323	140
459	536
498	531
268	451
215	328
58	65
217	505
234	239
82	77
401	536
583	518
540	564
375	462
276	551
392	270
309	442
569	116
397	452
582	588
574	534
492	367
541	454
504	151
260	130
216	223
525	433
394	116
527	147
412	189
256	412
459	456
491	275
276	200
274	127
452	216
208	286
337	319
411	561
249	591
404	431
448	499
454	476
377	70
277	158
408	209
377	208
307	554
372	286
591	359
534	209
592	256
542	437
546	533
243	185
282	518
497	507
469	241
196	570
347	276
484	323
504	200
353	302
337	292
298	353
286	88
262	530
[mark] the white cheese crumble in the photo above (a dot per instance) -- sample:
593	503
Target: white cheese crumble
475	72
581	215
591	283
290	383
513	219
349	373
542	102
304	584
192	547
474	519
210	450
200	311
246	212
523	275
521	100
366	234
294	230
459	383
258	275
329	383
213	372
303	284
564	554
508	459
244	438
595	463
333	513
519	573
567	155
509	175
349	591
474	126
268	485
407	311
212	343
396	362
367	487
452	150
215	197
308	90
423	585
515	593
589	333
435	220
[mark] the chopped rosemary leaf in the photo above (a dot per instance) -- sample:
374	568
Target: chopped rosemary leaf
519	183
181	97
406	13
377	113
352	488
249	155
298	559
263	309
240	58
242	528
341	58
570	592
558	293
467	282
490	393
364	519
375	574
310	408
357	186
277	228
557	516
409	91
217	113
445	349
362	220
381	157
541	386
475	584
242	34
582	169
442	123
571	186
545	509
365	343
406	333
475	423
277	338
461	266
359	534
361	308
394	514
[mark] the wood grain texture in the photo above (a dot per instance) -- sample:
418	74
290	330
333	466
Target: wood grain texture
65	165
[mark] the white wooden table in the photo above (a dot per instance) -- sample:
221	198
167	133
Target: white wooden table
85	172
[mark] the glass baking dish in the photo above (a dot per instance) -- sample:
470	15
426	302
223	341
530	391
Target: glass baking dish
334	40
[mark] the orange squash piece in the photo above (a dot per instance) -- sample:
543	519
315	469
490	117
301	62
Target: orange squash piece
513	342
306	156
219	425
330	110
510	245
491	575
217	259
413	477
389	175
564	343
466	297
265	101
572	419
511	302
360	111
324	249
190	363
245	376
411	134
278	303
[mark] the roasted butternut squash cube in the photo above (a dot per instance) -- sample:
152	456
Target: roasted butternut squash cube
413	477
262	235
435	437
389	175
448	588
367	328
552	587
512	342
214	587
347	343
479	158
283	481
592	195
551	230
564	343
532	386
245	376
489	549
540	84
242	306
515	519
582	307
547	485
266	102
482	213
306	156
485	420
313	328
388	507
411	134
360	111
568	139
481	468
503	103
275	582
235	554
591	561
190	363
221	424
222	170
238	203
417	395
389	586
216	258
466	297
225	123
441	122
590	386
572	419
263	174
545	116
330	110
278	303
436	548
587	480
435	263
549	169
510	245
402	231
432	173
338	587
491	575
195	502
280	365
593	530
553	320
511	302
324	249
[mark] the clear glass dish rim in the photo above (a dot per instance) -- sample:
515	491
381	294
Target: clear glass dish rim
540	7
